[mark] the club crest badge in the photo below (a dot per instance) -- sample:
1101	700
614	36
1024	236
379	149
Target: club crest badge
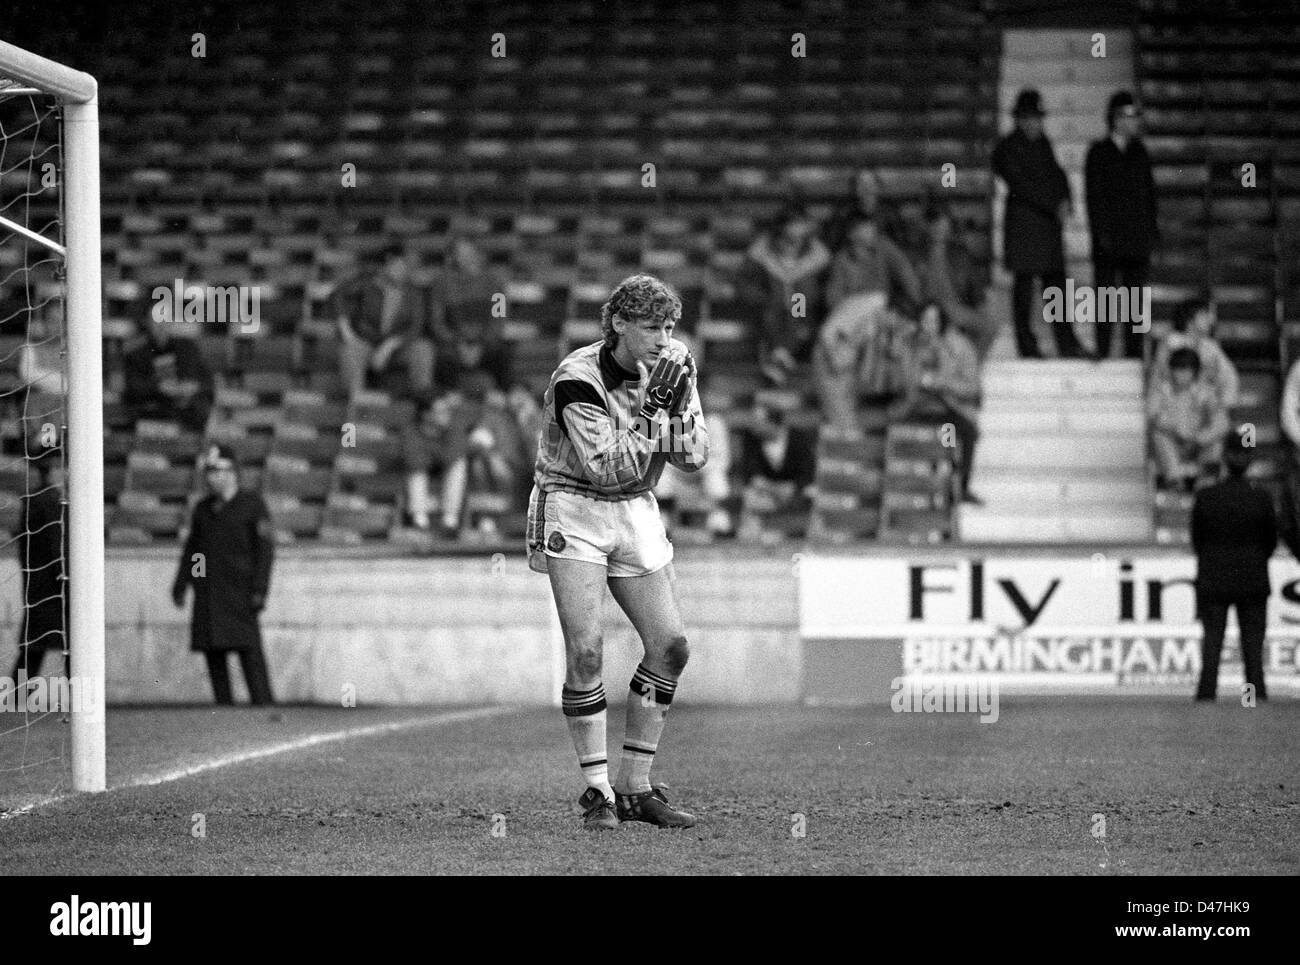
556	543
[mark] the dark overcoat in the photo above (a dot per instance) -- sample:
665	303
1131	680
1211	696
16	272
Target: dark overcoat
1036	186
237	541
1234	533
1121	198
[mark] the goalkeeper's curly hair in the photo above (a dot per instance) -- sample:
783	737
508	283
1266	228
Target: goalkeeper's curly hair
637	298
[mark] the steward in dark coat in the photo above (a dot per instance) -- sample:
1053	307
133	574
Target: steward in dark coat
238	546
1036	186
1234	533
1038	202
227	558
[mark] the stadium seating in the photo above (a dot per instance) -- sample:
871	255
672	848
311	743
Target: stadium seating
227	167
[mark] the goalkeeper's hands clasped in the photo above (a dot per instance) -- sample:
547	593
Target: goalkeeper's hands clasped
668	387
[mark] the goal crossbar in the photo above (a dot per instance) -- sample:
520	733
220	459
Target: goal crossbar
78	95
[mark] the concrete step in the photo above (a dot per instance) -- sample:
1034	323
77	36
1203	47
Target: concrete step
1017	421
982	525
1063	378
1010	488
1060	451
1000	404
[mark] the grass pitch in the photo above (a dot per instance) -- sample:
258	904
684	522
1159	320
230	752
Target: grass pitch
1182	788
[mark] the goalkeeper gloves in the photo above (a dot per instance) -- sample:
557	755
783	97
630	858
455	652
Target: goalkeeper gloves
665	388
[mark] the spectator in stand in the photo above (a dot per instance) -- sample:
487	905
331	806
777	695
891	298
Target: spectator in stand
1121	201
953	278
383	319
472	352
785	261
40	366
166	377
1193	328
857	355
1234	533
522	404
472	437
1037	207
857	348
1187	423
713	482
863	200
913	235
463	297
772	451
943	382
870	262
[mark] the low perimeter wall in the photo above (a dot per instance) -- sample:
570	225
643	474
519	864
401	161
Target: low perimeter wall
446	630
765	626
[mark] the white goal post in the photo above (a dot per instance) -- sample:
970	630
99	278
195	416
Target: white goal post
77	94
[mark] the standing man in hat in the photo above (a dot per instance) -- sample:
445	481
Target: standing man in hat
1234	533
227	559
1121	198
1037	206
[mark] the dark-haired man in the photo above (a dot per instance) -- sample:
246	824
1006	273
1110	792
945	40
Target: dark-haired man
383	318
1187	423
1121	199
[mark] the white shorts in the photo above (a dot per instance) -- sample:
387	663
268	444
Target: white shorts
626	536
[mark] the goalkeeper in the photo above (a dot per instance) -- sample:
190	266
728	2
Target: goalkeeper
614	414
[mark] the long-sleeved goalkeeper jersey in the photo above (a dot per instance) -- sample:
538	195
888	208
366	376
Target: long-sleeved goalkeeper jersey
589	443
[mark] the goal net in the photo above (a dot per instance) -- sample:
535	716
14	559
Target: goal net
51	443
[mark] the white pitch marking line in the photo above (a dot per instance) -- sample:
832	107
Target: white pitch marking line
285	747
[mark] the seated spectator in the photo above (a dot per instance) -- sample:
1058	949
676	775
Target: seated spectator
383	320
1187	423
858	354
472	352
471	436
528	414
870	262
463	296
952	277
863	200
40	366
1193	328
943	383
912	235
783	262
40	363
773	451
713	481
166	377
